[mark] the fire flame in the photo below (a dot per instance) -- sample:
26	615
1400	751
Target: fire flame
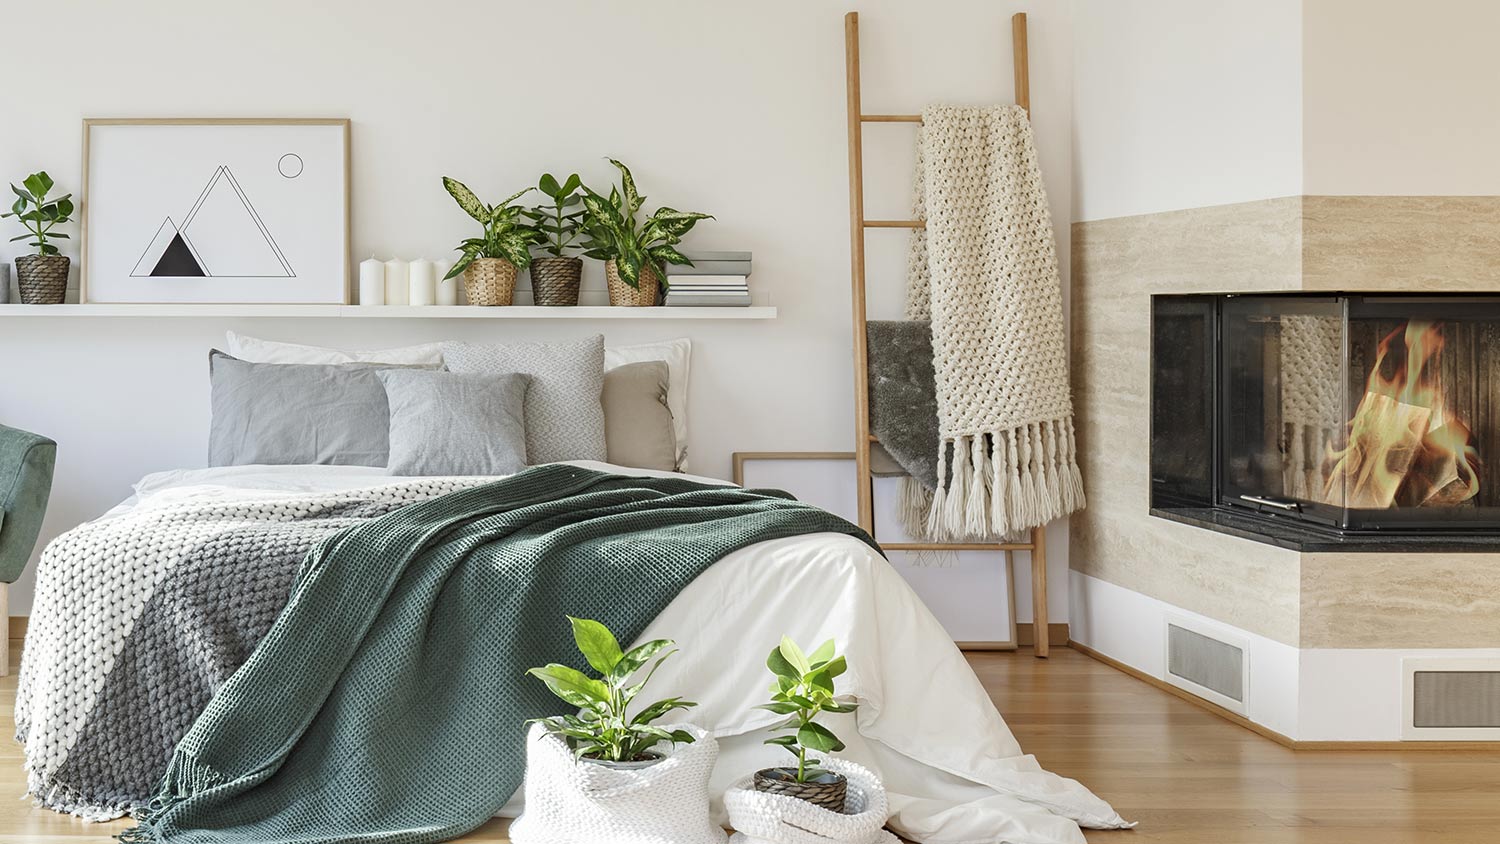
1406	445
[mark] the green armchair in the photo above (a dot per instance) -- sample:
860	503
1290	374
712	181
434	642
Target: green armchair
26	463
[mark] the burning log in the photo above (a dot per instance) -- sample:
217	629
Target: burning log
1385	440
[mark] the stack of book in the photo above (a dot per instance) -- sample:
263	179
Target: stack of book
716	279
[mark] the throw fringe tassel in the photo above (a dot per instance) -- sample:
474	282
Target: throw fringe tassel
184	778
999	484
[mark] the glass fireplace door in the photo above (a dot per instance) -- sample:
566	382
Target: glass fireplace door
1283	404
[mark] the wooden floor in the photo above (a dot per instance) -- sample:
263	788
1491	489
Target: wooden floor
1186	775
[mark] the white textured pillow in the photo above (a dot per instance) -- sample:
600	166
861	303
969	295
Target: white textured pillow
564	404
256	350
677	354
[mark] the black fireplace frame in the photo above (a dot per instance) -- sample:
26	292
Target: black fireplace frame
1205	498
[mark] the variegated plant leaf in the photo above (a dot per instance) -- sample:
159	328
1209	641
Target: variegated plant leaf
666	254
633	199
467	200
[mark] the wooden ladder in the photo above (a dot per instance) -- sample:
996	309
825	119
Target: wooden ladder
857	225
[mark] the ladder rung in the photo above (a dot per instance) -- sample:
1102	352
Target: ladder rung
890	118
895	224
957	546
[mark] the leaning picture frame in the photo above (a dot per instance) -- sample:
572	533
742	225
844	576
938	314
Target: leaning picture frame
215	211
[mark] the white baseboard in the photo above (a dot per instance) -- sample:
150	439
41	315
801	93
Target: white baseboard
1313	695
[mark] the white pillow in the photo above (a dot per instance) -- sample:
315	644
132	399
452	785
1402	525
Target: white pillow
256	350
677	354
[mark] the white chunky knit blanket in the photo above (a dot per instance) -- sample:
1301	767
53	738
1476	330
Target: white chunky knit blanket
984	271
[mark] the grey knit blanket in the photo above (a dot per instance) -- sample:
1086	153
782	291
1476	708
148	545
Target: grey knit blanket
387	700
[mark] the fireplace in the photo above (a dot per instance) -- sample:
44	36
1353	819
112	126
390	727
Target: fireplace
1329	421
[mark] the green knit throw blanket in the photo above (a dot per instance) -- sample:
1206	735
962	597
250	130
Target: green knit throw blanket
389	701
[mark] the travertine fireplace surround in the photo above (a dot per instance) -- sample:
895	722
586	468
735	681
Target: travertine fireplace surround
1307	243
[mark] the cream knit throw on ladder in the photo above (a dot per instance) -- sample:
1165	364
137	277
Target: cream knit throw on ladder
985	272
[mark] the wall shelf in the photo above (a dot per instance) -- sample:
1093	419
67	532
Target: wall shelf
386	312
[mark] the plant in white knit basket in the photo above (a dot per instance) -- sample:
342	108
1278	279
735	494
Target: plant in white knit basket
804	689
603	731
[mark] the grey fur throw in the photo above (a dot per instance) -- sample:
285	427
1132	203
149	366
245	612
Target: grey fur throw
903	395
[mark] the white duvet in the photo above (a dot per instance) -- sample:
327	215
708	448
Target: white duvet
954	772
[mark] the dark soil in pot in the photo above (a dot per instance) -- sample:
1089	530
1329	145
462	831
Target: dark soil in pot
825	791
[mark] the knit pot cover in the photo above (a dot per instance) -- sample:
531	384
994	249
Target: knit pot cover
571	801
490	281
759	817
623	295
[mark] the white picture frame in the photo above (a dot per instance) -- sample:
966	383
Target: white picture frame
215	211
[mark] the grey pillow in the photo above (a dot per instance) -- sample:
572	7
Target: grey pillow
637	420
564	410
446	423
296	413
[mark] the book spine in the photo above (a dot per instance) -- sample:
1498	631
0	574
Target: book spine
718	256
711	268
732	280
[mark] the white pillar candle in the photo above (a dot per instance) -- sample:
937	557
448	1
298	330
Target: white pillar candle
447	288
423	282
371	282
397	282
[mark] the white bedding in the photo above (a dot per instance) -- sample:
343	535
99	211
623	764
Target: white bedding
954	772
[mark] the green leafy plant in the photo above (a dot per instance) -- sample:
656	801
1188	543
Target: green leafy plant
614	232
38	214
559	227
603	729
802	690
505	234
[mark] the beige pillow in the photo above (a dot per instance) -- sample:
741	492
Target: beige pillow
637	422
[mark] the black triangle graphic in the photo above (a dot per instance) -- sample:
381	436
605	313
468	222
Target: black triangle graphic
177	260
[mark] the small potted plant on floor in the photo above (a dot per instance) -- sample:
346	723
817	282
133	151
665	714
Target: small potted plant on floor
555	276
635	252
489	263
604	775
42	277
802	690
602	733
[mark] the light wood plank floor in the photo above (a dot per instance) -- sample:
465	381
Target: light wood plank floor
1186	775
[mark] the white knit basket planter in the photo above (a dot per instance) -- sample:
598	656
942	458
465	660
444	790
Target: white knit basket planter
569	802
761	818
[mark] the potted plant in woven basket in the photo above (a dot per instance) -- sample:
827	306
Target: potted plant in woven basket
555	276
635	252
604	775
489	263
802	690
42	277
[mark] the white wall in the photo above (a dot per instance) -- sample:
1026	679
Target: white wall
1184	103
1399	97
732	108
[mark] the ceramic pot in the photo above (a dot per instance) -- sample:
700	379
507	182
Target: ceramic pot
42	279
554	280
623	295
827	791
490	281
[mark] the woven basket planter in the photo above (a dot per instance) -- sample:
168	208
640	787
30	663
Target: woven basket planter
623	295
762	817
569	801
827	792
554	280
42	279
490	281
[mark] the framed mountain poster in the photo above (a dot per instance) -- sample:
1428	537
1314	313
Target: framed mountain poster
215	211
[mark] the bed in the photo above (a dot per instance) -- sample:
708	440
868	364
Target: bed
106	689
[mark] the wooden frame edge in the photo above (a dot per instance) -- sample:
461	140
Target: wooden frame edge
83	190
1487	747
739	458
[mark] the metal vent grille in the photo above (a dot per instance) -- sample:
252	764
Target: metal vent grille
1206	662
1456	699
